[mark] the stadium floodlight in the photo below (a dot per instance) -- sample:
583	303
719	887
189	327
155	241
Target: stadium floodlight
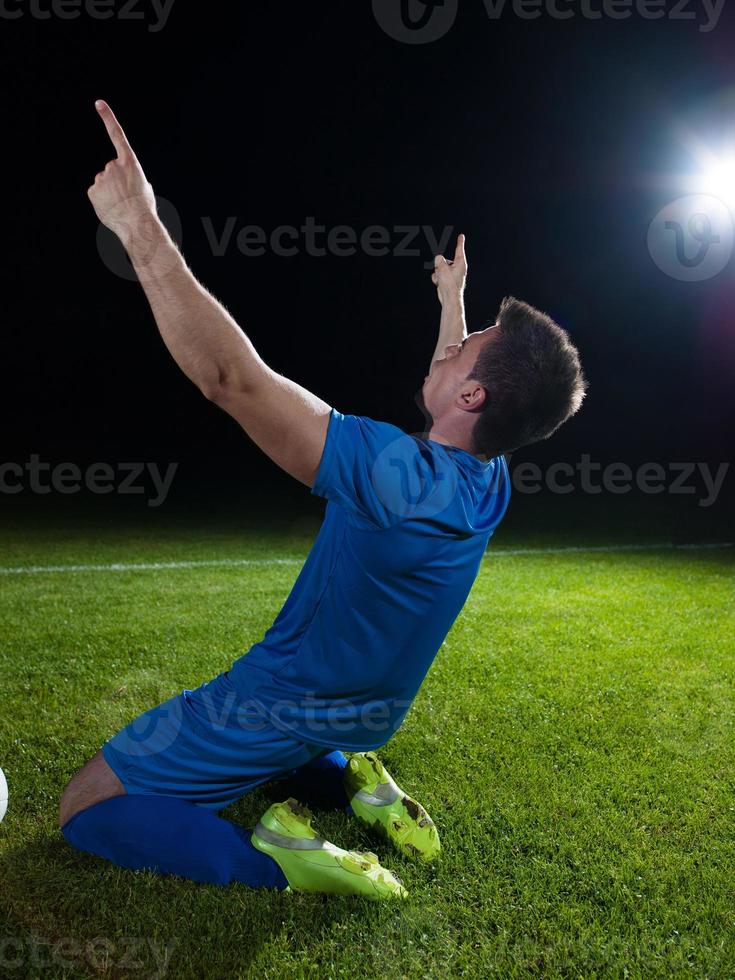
708	159
714	159
718	179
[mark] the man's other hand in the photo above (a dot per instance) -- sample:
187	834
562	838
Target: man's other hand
450	277
121	196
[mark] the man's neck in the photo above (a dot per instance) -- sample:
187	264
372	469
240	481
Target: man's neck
449	436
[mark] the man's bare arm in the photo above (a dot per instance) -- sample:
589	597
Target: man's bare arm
285	420
450	279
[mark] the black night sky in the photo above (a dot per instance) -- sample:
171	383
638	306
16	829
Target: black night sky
551	143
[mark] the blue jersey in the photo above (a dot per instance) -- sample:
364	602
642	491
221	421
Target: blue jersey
406	526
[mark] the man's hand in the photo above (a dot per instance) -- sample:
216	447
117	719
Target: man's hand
288	422
121	196
450	278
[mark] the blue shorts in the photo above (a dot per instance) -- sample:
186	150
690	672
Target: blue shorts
206	746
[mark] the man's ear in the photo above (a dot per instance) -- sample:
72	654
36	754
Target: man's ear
471	397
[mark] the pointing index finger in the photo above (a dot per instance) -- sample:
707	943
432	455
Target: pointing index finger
114	130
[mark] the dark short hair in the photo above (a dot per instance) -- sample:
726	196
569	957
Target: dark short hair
533	378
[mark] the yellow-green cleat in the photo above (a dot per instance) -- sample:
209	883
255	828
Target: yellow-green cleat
311	864
380	803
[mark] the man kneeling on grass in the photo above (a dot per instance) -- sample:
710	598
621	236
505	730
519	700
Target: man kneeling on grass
407	524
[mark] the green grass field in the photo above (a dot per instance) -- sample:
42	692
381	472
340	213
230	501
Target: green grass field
574	741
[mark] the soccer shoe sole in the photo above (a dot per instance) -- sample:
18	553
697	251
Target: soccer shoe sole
312	864
381	804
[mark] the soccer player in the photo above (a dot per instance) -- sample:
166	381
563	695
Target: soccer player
407	523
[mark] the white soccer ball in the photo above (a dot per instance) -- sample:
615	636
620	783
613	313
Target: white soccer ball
3	795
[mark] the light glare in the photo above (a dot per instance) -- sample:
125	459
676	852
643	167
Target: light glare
719	180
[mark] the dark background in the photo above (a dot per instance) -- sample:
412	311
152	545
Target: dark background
541	140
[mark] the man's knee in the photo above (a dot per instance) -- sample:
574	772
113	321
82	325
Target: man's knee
94	783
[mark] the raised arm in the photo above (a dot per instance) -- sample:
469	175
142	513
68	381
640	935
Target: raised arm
285	420
450	279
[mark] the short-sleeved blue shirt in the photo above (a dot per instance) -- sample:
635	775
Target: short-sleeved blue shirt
406	525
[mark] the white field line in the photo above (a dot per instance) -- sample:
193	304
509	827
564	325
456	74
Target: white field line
255	562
